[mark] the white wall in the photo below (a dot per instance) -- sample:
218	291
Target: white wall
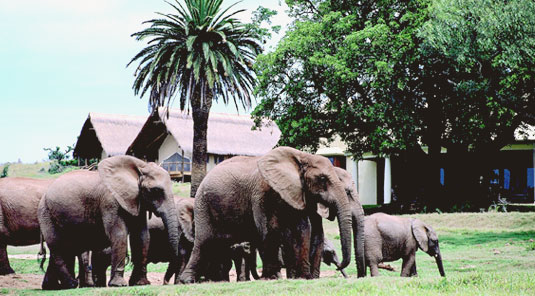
367	182
168	148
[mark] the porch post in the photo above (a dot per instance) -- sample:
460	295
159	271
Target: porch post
182	169
353	169
387	187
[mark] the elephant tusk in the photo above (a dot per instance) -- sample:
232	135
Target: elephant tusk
436	255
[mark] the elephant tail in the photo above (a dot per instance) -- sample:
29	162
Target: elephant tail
42	252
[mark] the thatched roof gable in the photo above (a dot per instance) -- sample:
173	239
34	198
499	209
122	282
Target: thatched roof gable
228	134
112	133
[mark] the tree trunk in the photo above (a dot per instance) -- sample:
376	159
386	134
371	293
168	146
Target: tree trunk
200	113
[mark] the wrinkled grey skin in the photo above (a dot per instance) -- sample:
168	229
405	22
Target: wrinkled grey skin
256	199
389	238
159	248
357	216
19	199
85	210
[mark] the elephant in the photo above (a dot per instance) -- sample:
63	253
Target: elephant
389	238
244	258
19	199
329	256
260	200
87	210
357	217
159	248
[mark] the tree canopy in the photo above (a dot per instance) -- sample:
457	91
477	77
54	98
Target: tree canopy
389	75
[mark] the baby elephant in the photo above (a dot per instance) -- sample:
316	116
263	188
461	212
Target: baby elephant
389	238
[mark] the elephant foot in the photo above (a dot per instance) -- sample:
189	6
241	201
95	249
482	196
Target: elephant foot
187	279
69	284
117	281
5	270
139	281
50	285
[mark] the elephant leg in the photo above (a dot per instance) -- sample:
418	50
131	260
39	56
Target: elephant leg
64	265
374	269
51	279
100	260
85	273
5	268
139	242
407	265
171	269
299	247
117	232
270	256
239	264
69	262
316	245
196	261
251	264
413	269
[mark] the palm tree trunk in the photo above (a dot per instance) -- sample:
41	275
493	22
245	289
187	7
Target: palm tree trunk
200	113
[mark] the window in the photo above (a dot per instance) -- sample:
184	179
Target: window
219	158
338	161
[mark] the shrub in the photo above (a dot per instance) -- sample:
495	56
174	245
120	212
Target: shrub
5	171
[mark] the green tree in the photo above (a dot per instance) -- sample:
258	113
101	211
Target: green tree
59	158
198	53
5	171
393	77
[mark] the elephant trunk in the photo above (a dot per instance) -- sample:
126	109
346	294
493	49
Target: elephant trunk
344	223
357	215
438	259
170	220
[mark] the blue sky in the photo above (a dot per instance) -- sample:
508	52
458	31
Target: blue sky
61	59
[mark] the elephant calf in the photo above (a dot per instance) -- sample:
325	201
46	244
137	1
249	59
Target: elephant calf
389	238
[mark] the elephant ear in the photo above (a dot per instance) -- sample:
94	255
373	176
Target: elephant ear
120	175
185	218
280	169
419	231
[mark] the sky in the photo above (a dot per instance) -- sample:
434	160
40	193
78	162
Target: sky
61	59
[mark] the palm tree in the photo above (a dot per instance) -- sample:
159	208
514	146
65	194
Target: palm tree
200	53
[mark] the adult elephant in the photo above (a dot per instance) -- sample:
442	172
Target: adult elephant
256	199
160	250
19	198
357	216
86	210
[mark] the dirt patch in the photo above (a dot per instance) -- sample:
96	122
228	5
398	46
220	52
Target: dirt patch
33	281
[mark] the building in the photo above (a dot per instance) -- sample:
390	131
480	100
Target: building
374	176
167	138
370	173
105	135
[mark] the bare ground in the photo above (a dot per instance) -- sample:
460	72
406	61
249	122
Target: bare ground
33	281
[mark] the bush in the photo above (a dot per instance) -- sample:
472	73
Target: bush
60	160
4	171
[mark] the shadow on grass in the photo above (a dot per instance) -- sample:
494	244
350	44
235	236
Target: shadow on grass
466	238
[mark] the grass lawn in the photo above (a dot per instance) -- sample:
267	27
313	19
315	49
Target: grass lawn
484	254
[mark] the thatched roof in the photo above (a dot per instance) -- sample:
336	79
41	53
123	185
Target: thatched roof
112	133
228	134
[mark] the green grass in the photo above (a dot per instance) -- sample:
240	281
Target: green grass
483	253
181	189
